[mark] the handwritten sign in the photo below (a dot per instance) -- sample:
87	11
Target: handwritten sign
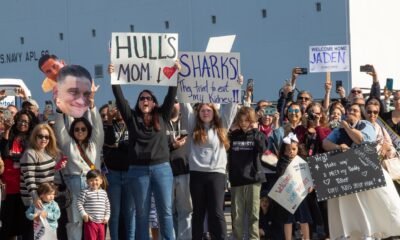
331	58
209	77
337	174
292	187
144	58
393	135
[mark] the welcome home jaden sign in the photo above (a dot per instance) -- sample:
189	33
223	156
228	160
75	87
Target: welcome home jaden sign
144	58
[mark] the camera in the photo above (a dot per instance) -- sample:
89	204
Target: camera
310	115
269	111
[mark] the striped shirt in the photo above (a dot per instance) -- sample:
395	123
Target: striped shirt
94	203
36	168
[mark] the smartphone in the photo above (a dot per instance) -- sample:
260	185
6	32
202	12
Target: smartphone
48	105
303	71
389	84
111	105
250	83
339	84
7	114
183	133
64	159
366	68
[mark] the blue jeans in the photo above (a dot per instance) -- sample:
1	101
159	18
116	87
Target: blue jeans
75	184
182	206
156	179
122	203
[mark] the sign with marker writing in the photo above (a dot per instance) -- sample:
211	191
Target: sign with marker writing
209	77
144	58
331	58
292	187
338	173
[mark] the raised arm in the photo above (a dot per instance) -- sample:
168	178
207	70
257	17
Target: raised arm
168	104
98	130
187	116
61	130
228	113
122	103
328	88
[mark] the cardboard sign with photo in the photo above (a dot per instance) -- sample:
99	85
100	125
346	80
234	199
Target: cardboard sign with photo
73	91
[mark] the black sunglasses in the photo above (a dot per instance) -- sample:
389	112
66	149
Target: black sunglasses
82	129
43	137
148	98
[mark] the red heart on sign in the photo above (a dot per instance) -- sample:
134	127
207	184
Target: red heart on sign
169	71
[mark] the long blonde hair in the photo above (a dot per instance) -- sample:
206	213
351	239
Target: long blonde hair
200	134
51	148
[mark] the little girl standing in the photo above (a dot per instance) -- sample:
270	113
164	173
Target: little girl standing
289	150
50	211
94	206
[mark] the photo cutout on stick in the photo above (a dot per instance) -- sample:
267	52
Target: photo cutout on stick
72	94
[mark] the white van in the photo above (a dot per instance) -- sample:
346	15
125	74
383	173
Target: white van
10	84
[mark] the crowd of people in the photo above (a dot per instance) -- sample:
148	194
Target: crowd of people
162	168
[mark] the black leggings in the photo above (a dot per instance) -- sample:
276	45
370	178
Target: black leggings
208	191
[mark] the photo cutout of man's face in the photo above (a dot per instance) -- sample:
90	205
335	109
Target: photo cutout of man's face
72	95
51	67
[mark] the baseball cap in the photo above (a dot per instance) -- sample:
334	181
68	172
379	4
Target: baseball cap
31	102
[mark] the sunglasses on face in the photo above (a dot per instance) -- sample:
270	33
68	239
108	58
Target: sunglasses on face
353	110
291	110
82	129
355	91
23	122
43	137
303	98
148	98
372	112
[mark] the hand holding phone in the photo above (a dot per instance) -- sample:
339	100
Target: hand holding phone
301	70
339	84
182	134
111	105
7	114
62	163
366	68
389	84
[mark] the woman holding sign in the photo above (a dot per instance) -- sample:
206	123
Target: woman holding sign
363	215
208	141
150	170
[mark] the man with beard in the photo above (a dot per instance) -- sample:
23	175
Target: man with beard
182	204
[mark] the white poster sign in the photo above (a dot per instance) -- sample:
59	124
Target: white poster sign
292	187
144	58
330	58
42	230
222	44
209	77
